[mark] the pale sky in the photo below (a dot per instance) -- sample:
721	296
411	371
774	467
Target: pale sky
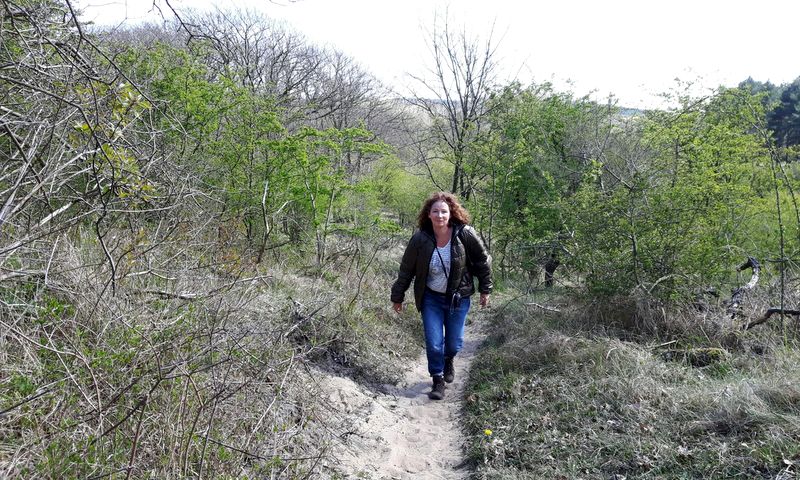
634	49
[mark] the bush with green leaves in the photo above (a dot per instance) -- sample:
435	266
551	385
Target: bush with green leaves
696	202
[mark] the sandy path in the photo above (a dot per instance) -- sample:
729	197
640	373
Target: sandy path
402	434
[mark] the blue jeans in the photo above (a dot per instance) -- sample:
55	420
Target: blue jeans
444	329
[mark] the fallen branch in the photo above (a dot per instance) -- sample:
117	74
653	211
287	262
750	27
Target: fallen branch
196	296
39	392
738	293
666	344
770	312
21	273
543	307
165	294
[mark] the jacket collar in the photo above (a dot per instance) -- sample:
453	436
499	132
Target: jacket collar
457	227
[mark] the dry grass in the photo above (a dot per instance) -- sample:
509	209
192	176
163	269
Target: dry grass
591	395
197	366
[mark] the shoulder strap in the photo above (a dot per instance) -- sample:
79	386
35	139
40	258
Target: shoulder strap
441	260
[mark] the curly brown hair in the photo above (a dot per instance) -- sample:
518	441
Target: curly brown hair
458	214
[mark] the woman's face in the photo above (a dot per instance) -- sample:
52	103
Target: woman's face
440	214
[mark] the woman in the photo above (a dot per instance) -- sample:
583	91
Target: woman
441	258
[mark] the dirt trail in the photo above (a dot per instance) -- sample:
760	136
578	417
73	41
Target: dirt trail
402	434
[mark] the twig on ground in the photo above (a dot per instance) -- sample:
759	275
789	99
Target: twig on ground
543	307
665	344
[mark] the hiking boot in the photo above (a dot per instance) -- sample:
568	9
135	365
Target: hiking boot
449	371
437	392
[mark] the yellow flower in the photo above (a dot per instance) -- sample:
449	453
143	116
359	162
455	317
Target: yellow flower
487	432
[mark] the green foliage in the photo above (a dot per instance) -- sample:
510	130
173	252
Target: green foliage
182	87
266	174
693	208
782	104
784	120
529	170
19	386
397	190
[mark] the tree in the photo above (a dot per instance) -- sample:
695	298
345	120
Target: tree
694	198
77	139
771	91
525	165
454	93
784	120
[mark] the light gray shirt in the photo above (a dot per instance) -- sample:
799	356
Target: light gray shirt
437	280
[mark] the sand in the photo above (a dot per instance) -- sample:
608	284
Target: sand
401	434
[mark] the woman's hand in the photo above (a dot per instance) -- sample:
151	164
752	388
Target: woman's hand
398	307
484	299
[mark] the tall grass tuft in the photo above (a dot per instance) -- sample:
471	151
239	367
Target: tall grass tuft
591	392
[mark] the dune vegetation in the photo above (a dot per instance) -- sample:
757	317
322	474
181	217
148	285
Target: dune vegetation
199	219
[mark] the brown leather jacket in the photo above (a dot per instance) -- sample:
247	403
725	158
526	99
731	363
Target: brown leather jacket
468	257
